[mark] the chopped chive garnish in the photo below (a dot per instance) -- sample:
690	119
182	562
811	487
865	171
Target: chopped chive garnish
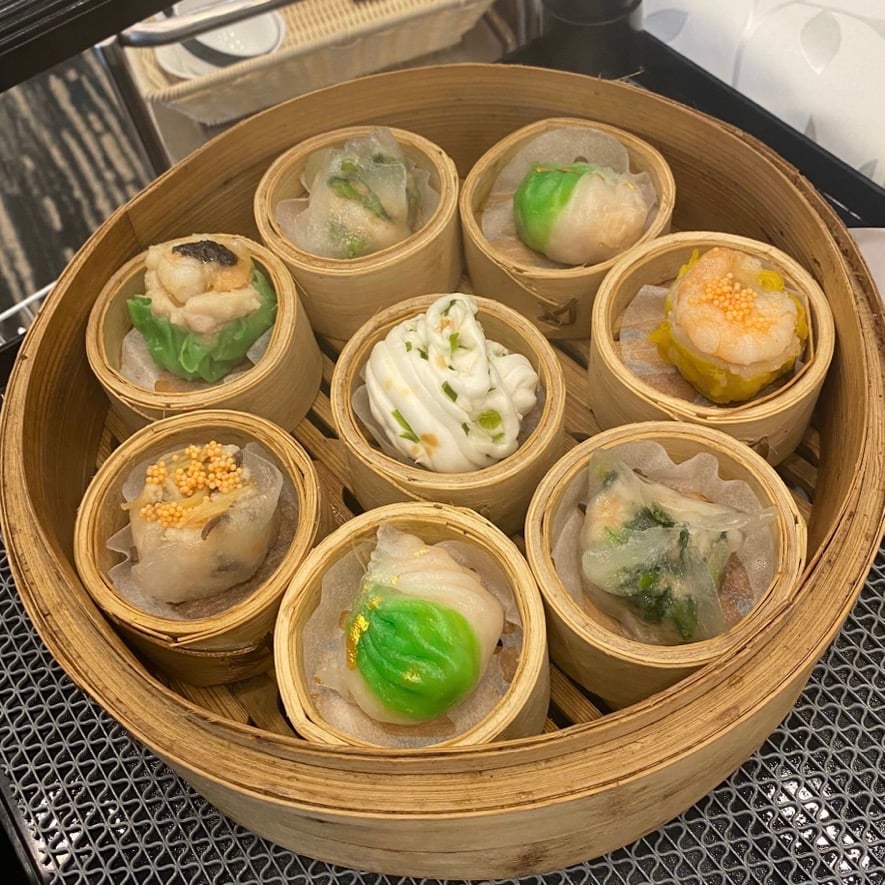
447	390
407	433
489	419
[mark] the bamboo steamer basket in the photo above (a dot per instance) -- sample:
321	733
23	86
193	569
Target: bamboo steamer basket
218	647
280	387
558	300
772	423
500	492
585	642
432	812
341	294
523	709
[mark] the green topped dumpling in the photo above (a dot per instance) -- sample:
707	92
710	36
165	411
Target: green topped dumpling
205	304
579	213
421	633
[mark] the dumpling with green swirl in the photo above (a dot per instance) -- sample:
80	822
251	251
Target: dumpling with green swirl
443	395
421	633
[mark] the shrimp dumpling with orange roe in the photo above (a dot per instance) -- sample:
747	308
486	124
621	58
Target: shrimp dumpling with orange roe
731	326
205	303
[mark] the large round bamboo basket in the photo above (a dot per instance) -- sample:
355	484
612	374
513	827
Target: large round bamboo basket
341	294
280	387
558	300
520	806
220	646
520	712
500	492
773	422
586	642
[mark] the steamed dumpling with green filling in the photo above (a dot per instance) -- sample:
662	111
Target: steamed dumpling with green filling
362	198
580	213
421	633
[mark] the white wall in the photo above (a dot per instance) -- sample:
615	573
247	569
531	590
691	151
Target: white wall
819	66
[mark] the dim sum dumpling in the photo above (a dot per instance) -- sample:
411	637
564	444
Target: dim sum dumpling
580	213
653	555
730	327
205	304
362	198
421	633
201	521
444	395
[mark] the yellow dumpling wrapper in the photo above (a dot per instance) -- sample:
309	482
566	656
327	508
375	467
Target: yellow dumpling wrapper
730	326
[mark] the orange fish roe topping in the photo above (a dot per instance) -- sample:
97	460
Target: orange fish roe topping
206	468
736	303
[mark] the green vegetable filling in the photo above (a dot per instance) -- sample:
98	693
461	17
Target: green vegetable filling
419	658
449	391
195	357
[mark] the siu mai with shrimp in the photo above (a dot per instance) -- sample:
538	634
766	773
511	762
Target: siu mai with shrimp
731	326
205	304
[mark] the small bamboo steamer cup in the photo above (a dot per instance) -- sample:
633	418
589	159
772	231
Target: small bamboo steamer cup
341	294
772	424
234	644
586	645
523	709
281	386
500	492
557	300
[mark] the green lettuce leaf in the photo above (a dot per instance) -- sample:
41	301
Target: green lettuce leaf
193	357
540	197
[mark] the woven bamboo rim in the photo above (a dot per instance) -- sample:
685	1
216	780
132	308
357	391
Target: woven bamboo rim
431	813
559	300
773	423
522	710
292	354
500	492
190	648
621	670
342	294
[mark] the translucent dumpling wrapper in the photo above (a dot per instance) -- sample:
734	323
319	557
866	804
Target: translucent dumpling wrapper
653	556
444	396
579	213
361	198
421	633
204	306
201	520
569	194
731	327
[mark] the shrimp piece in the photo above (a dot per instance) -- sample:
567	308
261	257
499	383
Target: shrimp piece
730	326
193	268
